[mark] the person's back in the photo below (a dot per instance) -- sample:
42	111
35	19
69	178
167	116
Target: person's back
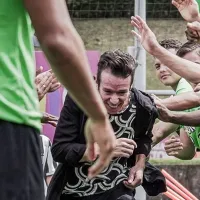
18	99
21	169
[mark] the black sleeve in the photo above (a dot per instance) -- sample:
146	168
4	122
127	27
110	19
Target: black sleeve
67	147
144	139
144	144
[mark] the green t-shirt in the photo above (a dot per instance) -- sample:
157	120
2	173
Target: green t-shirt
193	132
18	97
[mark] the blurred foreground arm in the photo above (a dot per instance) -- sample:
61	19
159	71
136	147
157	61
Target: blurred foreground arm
181	102
184	118
66	53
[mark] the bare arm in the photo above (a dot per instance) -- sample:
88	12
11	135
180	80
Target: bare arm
183	101
185	68
161	130
186	118
66	53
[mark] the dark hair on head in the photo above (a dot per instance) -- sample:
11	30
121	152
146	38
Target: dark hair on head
170	44
187	47
120	64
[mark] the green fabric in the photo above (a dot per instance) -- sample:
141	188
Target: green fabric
193	132
18	97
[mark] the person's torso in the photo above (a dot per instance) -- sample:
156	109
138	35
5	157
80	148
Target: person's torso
193	132
116	172
18	97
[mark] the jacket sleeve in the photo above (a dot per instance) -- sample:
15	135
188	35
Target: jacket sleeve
144	139
144	144
67	147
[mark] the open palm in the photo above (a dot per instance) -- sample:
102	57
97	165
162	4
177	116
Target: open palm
145	35
188	9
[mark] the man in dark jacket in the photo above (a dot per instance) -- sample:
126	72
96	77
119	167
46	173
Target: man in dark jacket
132	115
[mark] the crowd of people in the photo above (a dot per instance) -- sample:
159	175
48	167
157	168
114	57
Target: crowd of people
107	127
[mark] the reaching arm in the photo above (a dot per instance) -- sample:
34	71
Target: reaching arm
161	130
186	118
66	53
183	101
185	68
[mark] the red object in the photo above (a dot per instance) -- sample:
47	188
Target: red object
176	186
174	193
171	196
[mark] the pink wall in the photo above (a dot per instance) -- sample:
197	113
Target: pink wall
54	101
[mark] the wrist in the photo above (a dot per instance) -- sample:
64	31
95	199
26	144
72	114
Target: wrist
172	117
156	50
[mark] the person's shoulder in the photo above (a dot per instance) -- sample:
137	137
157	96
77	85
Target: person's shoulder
183	86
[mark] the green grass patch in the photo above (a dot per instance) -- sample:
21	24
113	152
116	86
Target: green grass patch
175	162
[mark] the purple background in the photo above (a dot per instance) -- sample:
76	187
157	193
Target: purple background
54	100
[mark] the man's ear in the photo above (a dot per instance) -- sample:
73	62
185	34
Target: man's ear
95	79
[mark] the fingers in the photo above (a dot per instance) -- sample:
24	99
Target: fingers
121	154
176	4
128	141
54	87
38	71
136	34
101	163
197	88
194	26
53	123
173	146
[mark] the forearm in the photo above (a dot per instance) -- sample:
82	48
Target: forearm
140	161
186	118
182	101
69	62
185	68
66	53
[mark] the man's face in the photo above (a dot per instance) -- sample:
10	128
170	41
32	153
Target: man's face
166	75
193	56
114	91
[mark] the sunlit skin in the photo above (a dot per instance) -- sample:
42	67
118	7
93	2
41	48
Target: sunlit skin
166	75
193	56
114	91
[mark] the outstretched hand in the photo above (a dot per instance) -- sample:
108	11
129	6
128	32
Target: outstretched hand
145	35
164	114
193	31
189	9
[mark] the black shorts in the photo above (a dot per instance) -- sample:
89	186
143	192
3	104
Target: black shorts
21	175
119	192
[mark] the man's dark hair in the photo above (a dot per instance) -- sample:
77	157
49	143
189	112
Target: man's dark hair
121	64
170	44
186	48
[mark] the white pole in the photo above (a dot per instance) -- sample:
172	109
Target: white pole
140	53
